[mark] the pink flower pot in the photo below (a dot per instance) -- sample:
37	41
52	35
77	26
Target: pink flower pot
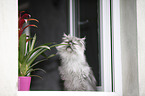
24	83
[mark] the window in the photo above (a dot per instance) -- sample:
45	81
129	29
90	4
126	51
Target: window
117	73
81	18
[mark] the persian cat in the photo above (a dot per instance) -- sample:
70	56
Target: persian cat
74	69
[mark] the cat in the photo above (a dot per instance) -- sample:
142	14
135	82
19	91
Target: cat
74	69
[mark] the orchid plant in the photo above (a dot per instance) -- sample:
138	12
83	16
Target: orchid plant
27	52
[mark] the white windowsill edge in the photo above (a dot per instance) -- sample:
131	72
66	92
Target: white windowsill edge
64	93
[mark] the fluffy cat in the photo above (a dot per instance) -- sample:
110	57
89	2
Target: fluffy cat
74	69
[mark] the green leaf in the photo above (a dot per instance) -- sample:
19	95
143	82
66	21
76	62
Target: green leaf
28	39
57	45
47	44
33	42
28	47
27	58
52	55
22	47
35	55
47	47
36	76
44	55
36	69
37	52
18	67
23	69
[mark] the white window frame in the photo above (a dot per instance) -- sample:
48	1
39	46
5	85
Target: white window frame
105	45
9	46
116	46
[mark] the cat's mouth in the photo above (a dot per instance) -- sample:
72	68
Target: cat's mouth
69	48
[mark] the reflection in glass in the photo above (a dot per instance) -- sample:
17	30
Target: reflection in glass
88	25
52	16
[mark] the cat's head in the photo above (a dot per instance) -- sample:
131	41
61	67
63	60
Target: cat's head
73	44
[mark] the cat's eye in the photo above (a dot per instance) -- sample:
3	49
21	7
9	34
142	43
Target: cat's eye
74	43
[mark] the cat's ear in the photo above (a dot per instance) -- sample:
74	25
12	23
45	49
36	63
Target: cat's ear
83	38
64	35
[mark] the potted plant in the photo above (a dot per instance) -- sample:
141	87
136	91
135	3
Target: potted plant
27	53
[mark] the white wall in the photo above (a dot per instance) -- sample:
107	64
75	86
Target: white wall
133	46
129	51
141	44
8	47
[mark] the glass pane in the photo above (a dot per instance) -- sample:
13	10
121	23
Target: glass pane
88	25
53	22
53	19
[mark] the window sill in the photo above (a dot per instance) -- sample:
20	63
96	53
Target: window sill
64	93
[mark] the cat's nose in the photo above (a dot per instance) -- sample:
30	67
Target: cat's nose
70	43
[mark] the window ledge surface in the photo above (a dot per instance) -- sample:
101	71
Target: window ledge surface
65	93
